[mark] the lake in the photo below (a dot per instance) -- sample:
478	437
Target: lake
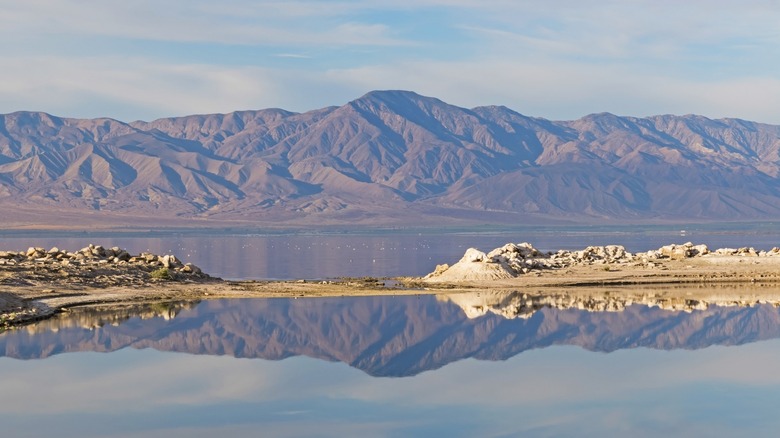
382	253
393	365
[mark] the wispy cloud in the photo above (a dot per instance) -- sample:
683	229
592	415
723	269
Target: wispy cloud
235	22
569	90
292	55
146	59
125	88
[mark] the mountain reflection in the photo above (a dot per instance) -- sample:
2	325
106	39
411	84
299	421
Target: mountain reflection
402	335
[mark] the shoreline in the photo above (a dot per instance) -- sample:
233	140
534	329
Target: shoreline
38	283
687	279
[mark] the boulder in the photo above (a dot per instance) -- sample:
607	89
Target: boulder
439	270
98	251
473	255
149	257
675	251
170	261
189	268
35	252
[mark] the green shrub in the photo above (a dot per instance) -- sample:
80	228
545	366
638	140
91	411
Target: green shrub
162	274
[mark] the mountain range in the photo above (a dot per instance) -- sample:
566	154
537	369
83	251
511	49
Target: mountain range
386	158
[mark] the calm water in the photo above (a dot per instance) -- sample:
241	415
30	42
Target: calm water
382	254
388	366
392	366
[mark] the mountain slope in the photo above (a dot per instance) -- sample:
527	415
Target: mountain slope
391	157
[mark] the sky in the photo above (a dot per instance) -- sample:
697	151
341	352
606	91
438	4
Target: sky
561	60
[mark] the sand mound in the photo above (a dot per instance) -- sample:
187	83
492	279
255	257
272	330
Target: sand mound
474	265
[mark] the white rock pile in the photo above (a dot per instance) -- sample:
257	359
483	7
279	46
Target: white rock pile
514	259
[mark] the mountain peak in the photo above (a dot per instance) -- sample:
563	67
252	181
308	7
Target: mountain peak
392	95
397	100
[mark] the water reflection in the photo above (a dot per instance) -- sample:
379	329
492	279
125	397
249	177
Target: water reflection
400	336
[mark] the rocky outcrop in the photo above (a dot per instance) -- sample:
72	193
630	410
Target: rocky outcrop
50	273
515	259
93	265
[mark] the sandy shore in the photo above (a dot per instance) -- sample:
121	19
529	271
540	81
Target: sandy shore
739	279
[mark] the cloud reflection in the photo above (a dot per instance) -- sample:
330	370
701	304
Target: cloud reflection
553	391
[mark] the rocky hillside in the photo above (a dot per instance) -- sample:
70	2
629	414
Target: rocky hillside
388	157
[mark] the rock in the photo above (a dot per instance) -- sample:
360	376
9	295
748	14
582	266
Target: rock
170	262
189	268
515	250
92	266
149	257
439	269
98	251
518	259
174	261
616	252
35	253
675	251
473	255
701	250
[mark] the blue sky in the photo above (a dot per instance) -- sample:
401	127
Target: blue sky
144	59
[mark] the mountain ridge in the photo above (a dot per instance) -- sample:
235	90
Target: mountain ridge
388	158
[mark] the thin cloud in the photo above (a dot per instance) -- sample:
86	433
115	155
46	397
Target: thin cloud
188	56
292	55
247	23
132	88
569	90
